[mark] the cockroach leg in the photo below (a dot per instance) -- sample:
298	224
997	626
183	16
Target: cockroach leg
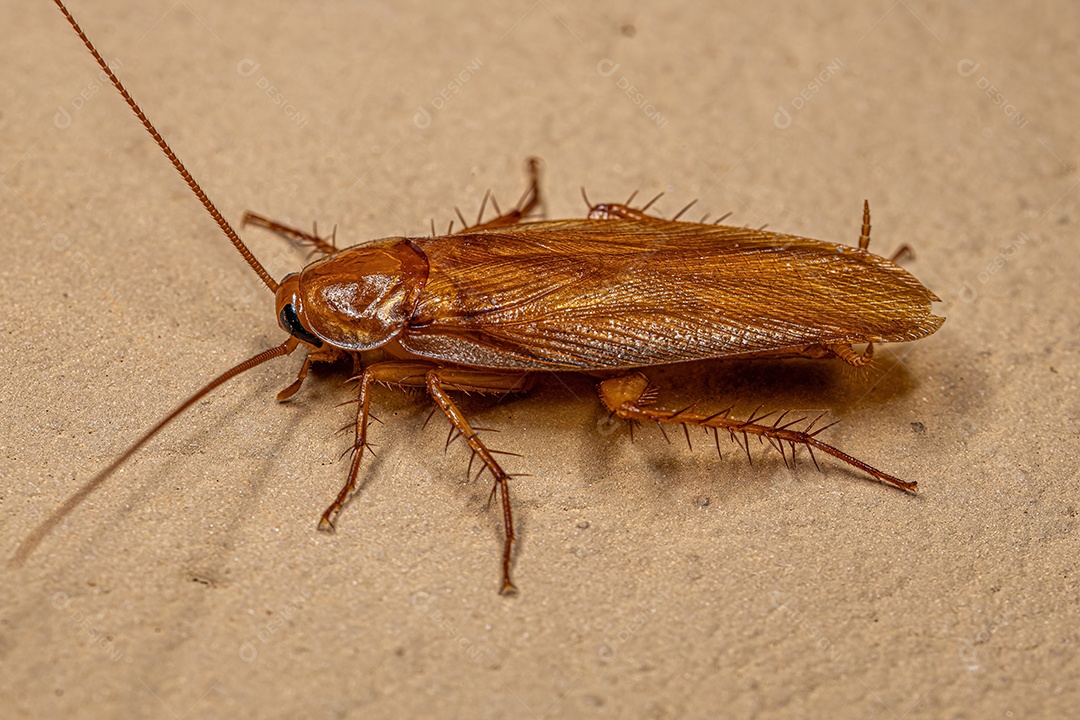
528	202
617	211
623	211
848	354
299	237
295	386
325	354
465	226
904	252
439	380
629	397
391	372
406	374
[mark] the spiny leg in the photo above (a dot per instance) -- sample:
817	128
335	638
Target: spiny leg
623	211
438	381
615	211
528	202
422	374
300	237
848	354
629	397
392	373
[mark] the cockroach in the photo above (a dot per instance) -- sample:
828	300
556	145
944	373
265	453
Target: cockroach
488	308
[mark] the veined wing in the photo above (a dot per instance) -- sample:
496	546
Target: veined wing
592	294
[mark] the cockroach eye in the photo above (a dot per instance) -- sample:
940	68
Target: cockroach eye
290	320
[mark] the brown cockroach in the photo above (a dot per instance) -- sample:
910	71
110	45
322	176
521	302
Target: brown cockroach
488	308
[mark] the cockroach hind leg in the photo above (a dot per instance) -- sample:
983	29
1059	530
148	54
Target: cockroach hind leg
623	211
682	212
530	199
624	395
618	211
847	353
902	254
633	388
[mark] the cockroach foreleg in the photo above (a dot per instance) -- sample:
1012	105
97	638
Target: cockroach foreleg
528	202
629	397
438	382
297	236
301	375
325	354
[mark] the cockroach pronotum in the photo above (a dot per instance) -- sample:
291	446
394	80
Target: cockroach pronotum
489	307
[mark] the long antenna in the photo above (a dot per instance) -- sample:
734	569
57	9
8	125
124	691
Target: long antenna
34	539
195	187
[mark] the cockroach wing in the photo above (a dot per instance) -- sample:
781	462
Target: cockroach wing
596	294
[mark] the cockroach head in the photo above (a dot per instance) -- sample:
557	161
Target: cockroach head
357	299
288	317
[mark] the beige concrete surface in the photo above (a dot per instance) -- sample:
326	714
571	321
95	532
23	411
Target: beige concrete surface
656	581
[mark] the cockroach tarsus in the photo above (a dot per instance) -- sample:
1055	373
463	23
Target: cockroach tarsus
488	308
